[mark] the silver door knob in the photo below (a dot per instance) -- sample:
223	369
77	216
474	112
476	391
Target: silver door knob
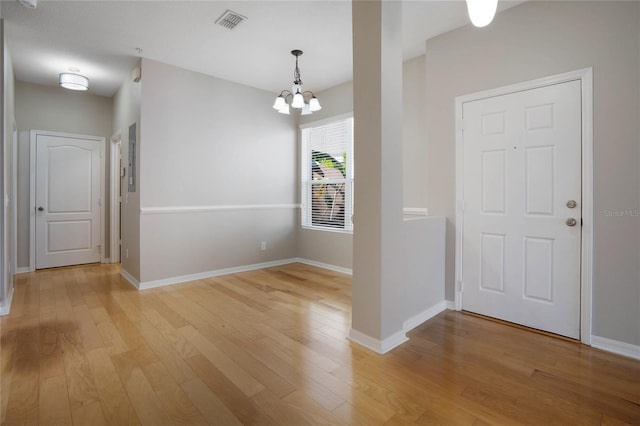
571	222
572	204
40	209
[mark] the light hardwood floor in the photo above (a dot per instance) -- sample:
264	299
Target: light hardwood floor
268	347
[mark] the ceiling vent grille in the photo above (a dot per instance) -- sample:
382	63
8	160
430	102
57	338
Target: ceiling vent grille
230	19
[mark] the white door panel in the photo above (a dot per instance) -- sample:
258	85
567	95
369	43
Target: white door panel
68	186
522	164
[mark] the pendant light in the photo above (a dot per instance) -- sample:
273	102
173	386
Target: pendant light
481	12
297	98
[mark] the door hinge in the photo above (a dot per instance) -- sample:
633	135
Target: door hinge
460	286
461	205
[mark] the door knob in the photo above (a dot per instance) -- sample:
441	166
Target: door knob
572	204
571	222
40	209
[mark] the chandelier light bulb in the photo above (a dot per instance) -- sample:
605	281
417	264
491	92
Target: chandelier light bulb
279	103
298	100
305	110
481	12
314	104
284	109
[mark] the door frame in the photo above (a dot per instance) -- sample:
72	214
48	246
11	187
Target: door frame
585	76
115	155
33	135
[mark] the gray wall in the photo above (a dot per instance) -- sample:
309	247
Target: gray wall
335	248
331	248
126	111
9	151
208	143
534	40
56	110
7	125
414	137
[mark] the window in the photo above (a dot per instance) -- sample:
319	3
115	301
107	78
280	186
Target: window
327	175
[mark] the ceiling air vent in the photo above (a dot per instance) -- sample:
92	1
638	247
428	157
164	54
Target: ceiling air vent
230	19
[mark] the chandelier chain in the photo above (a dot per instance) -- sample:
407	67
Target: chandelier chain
297	80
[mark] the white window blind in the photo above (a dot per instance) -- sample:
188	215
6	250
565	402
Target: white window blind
327	175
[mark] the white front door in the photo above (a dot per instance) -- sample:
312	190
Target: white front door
67	200
522	194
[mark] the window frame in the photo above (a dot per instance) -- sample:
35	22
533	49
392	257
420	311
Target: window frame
306	183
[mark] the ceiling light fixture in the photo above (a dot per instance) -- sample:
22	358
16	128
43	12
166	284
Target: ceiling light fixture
481	12
297	98
31	4
73	81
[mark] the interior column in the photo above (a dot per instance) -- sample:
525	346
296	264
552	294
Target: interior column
378	284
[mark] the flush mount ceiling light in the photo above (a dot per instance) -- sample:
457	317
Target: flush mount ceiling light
73	81
481	12
31	4
297	98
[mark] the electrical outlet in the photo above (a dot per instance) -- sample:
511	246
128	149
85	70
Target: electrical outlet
263	245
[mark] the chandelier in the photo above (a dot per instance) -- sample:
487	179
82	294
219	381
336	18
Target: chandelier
306	101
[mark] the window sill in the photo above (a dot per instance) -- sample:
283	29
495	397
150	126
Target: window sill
335	230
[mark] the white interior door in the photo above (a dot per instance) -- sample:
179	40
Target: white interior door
67	200
522	194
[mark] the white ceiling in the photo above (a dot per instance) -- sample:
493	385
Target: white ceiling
100	38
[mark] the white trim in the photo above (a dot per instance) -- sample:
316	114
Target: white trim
203	209
586	271
115	155
32	189
451	305
5	309
615	346
130	279
378	346
585	76
225	271
322	265
415	211
14	208
459	225
411	323
208	274
329	120
23	270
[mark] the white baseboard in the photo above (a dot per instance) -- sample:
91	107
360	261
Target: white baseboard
451	305
130	279
145	285
5	308
411	323
378	346
617	347
325	266
23	270
106	260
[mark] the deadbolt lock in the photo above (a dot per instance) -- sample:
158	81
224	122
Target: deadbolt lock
572	204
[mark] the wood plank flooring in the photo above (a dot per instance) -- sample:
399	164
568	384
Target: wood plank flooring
269	347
